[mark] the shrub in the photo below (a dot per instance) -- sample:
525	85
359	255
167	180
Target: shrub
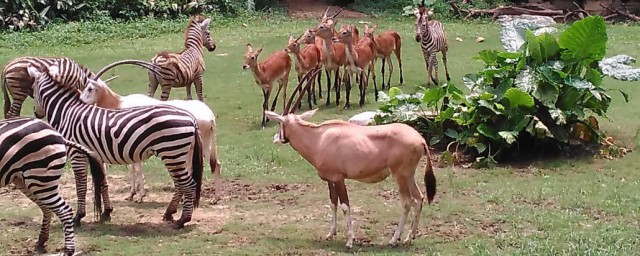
542	91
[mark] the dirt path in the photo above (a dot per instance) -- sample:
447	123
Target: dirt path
315	9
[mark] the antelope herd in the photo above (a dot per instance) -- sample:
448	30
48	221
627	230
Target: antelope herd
92	125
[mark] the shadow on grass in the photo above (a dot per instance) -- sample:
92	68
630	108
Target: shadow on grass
146	229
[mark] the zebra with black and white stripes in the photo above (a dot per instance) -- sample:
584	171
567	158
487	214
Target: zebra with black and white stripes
433	39
124	136
186	67
32	157
17	83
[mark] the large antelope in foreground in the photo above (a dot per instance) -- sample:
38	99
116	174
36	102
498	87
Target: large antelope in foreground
339	150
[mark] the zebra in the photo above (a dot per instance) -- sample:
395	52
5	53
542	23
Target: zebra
186	67
432	39
32	157
17	83
124	136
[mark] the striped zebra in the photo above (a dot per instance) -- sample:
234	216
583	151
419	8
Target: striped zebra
17	83
186	67
32	157
124	136
432	39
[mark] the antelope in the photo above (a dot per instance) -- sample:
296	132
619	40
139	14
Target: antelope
275	67
306	60
340	150
360	57
332	55
386	43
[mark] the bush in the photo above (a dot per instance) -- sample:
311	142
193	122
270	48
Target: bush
440	8
547	90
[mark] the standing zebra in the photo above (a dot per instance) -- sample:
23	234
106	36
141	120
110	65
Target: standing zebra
33	156
124	136
186	67
432	39
17	82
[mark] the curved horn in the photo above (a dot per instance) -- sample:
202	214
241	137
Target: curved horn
152	67
299	37
311	76
298	88
341	9
110	79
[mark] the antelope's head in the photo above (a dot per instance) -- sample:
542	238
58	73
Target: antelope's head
287	122
345	35
293	46
251	57
325	28
92	92
309	37
368	31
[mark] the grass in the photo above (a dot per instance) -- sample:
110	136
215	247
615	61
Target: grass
274	203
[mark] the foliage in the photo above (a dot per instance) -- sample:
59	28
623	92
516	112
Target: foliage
440	8
542	90
32	14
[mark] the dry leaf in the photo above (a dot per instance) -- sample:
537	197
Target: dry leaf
459	39
479	39
245	25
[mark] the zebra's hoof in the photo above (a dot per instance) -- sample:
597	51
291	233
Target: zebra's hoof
106	215
167	218
178	225
40	247
77	220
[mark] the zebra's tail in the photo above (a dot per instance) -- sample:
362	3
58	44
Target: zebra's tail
7	102
98	174
196	165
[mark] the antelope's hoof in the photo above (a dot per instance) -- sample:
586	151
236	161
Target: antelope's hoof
129	198
349	245
330	236
407	241
347	106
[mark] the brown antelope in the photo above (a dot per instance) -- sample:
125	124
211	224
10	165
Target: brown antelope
332	55
306	60
340	150
386	43
275	68
360	57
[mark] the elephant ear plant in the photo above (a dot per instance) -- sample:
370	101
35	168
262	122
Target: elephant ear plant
545	91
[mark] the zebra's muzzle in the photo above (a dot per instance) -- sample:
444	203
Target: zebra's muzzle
417	38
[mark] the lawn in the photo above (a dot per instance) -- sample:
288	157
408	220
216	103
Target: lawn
273	202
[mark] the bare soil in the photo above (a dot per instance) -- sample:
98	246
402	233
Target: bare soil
316	8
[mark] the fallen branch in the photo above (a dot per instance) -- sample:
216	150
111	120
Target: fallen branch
510	10
626	12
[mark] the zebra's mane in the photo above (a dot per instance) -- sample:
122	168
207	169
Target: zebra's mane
193	21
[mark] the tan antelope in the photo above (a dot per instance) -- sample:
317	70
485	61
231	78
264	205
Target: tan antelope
275	68
386	43
340	150
361	56
306	59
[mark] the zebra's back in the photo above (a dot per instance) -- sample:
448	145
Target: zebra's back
437	41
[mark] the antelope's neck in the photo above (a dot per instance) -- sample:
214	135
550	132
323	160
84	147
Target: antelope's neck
327	48
109	99
304	139
352	55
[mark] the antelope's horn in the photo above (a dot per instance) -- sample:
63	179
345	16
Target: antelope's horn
152	67
298	88
311	77
110	79
325	12
299	38
341	9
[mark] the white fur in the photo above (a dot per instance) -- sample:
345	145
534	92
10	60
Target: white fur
203	114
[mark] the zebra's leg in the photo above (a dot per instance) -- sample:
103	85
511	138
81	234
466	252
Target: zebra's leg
153	84
139	178
43	237
79	166
132	181
435	68
188	89
198	84
427	63
444	61
166	90
108	209
185	186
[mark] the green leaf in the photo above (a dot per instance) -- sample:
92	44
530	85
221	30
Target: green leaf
452	133
487	131
558	116
394	91
548	45
508	136
481	147
533	47
585	39
489	57
594	76
510	55
522	124
518	98
568	99
547	94
433	95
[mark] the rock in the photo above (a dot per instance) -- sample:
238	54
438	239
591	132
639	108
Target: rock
364	118
479	39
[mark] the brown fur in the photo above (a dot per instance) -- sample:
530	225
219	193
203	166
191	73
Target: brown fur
360	55
386	43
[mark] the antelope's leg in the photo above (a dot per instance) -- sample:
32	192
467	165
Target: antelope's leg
390	64
382	70
405	197
328	74
333	195
417	199
265	105
347	89
275	100
341	189
320	85
336	85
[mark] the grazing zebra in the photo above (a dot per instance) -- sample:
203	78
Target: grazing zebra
186	67
17	82
124	136
32	157
432	39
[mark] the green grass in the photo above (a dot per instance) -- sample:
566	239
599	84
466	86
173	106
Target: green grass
581	206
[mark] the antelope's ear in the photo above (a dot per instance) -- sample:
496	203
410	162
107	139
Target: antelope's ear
34	72
249	48
308	114
260	50
273	116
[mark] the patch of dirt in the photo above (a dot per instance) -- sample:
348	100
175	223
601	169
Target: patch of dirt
492	227
546	203
446	230
236	189
315	9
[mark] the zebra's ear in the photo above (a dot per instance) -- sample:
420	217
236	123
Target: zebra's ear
205	23
33	72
